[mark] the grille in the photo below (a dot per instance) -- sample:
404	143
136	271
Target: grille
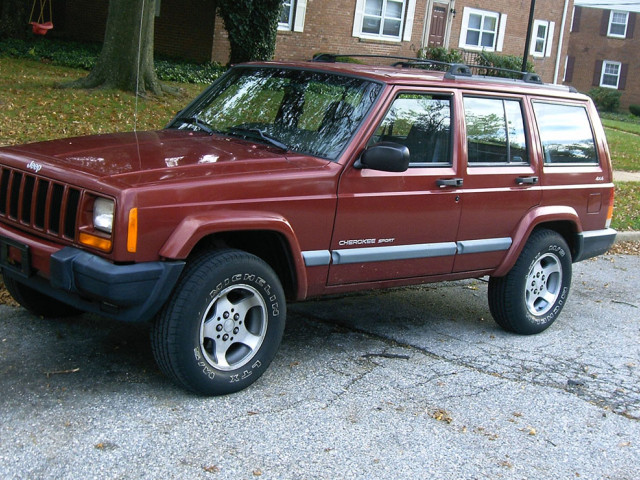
38	203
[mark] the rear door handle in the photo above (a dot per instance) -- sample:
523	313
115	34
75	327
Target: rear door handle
527	180
449	182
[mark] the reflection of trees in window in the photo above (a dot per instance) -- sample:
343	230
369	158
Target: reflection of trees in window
310	112
565	133
495	131
420	122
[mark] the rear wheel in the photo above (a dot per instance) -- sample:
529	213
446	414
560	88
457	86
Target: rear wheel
531	296
223	325
38	303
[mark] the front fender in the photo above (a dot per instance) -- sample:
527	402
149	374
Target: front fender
195	227
534	218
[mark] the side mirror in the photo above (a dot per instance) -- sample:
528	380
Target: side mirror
385	156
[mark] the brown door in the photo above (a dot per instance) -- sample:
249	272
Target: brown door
438	26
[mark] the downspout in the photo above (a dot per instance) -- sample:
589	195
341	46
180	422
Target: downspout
560	40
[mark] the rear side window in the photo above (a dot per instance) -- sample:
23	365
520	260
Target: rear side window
495	131
566	135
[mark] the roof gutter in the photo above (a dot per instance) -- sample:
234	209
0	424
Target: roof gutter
560	40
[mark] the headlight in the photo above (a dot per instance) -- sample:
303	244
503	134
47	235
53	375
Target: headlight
103	214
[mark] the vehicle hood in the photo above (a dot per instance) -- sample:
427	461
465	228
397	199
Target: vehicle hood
147	157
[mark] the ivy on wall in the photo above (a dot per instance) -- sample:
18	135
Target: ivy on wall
252	26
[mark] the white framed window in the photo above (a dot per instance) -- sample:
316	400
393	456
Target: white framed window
610	75
482	30
384	19
618	24
286	15
542	38
292	15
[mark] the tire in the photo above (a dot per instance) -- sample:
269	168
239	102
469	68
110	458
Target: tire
38	303
531	296
223	325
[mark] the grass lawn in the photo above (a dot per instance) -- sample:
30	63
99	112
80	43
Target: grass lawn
626	207
32	109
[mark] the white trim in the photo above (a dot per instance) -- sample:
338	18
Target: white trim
560	40
550	33
626	24
287	26
502	29
605	63
499	33
547	41
301	12
357	18
408	22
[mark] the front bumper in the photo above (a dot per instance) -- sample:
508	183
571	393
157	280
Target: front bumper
125	292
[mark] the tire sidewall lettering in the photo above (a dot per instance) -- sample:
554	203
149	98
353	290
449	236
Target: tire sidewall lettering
246	371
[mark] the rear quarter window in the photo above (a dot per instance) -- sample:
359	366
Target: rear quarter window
566	134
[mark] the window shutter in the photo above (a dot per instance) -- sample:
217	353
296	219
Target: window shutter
357	21
568	74
604	23
597	73
631	25
622	82
552	27
501	31
577	13
408	23
301	10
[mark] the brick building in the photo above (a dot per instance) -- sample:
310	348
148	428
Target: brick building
190	28
603	48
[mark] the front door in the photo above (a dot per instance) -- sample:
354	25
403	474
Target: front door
401	225
438	26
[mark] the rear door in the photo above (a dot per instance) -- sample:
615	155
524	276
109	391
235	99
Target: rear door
501	179
401	225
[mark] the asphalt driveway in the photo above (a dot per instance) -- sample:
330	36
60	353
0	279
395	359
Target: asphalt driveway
408	383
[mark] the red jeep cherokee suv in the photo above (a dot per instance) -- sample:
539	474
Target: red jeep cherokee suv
284	181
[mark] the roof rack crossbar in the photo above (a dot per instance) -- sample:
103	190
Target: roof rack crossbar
454	70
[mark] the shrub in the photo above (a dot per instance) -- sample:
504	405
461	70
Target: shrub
84	56
606	99
440	54
505	62
635	110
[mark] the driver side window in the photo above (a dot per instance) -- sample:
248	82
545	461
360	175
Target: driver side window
421	122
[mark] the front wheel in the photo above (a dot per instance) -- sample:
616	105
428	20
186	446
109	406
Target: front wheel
531	296
224	324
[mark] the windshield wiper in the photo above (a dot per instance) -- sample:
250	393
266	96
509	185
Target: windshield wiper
205	127
264	136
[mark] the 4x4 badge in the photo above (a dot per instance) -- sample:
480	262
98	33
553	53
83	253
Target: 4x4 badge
36	167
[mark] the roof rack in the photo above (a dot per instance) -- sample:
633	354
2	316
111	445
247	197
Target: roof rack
453	70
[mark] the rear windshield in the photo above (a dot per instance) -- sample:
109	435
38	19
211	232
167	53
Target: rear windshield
315	113
565	132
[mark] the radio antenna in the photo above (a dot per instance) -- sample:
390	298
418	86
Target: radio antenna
135	114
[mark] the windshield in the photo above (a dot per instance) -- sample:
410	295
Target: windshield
308	112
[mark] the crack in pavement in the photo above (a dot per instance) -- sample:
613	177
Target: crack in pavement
572	376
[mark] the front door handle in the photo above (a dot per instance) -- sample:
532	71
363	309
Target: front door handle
449	182
527	180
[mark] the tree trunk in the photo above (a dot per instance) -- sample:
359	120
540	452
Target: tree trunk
126	60
13	19
252	26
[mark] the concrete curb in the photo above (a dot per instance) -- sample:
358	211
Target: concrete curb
627	237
